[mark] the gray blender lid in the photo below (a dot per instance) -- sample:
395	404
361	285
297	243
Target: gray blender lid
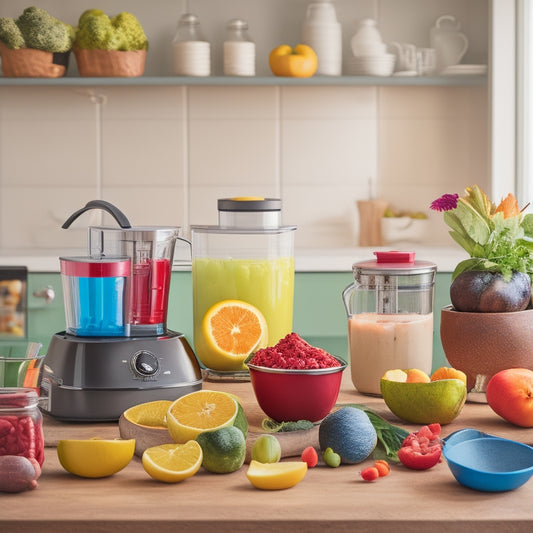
249	204
393	263
247	215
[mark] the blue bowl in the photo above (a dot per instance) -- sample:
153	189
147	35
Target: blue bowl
490	464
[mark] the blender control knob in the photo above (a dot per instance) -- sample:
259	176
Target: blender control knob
145	363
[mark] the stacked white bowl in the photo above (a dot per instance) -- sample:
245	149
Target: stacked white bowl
370	57
322	32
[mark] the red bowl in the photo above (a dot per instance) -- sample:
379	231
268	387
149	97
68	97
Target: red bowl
291	395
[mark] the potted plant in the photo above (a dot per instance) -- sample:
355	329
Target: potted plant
35	45
489	326
107	46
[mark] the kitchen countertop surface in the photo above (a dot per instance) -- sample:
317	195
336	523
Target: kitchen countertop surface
310	260
337	499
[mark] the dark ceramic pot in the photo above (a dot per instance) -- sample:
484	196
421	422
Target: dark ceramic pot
482	344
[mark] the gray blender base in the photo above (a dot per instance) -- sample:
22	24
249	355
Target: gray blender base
91	379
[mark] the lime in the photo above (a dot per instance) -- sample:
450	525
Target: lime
224	449
266	449
172	463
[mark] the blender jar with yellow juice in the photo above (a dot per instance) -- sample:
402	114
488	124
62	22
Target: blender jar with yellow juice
247	258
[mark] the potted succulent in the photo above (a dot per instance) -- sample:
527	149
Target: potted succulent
107	46
35	45
489	326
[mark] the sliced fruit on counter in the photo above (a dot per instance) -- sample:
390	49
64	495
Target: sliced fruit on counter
276	476
439	401
146	423
95	457
232	330
152	414
172	463
200	411
421	449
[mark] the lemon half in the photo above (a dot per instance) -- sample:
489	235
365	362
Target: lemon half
172	463
95	457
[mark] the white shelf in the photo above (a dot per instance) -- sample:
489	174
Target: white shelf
461	80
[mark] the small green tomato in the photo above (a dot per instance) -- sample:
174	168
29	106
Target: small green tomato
331	458
266	449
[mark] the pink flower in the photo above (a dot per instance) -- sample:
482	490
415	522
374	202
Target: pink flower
446	202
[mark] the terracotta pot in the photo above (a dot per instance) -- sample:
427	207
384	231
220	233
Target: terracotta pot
31	63
482	344
110	63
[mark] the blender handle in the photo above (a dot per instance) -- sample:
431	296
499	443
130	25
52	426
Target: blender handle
117	214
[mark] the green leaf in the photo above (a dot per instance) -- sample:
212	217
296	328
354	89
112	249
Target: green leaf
475	225
527	225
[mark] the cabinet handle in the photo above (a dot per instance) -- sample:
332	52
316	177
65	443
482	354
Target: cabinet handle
47	293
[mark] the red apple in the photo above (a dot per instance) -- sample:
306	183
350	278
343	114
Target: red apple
510	395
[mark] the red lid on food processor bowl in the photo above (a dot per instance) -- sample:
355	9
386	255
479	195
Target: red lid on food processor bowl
394	262
90	267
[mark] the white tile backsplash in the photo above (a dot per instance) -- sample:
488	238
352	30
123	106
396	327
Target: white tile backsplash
167	155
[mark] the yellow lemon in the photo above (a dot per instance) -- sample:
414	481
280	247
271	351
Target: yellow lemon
395	375
152	414
276	476
172	463
232	330
200	411
95	457
146	423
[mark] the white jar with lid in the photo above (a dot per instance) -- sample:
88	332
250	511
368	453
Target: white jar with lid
191	51
239	50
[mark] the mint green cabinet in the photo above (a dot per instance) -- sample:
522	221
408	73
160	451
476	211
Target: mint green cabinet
319	315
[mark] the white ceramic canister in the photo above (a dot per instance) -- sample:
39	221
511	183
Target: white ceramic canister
191	52
239	50
322	32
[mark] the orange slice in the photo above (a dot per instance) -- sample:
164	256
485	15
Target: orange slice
232	329
414	375
445	372
196	412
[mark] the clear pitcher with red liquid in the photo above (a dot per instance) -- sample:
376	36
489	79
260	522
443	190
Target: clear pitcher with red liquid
151	251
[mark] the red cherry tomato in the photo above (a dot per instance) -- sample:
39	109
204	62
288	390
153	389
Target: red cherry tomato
421	449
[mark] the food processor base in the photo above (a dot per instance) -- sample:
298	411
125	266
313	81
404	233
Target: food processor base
97	379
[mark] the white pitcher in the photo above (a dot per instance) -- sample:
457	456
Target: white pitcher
450	44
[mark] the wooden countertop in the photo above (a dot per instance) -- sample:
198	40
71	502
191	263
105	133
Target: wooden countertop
338	499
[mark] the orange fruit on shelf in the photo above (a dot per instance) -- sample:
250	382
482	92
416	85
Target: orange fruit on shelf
414	375
445	372
233	329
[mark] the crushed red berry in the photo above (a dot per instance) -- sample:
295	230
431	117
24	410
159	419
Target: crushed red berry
292	352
